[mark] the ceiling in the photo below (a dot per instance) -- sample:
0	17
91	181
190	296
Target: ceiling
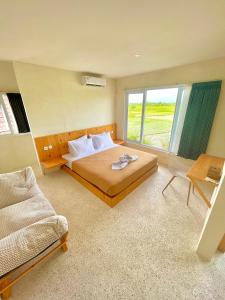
105	36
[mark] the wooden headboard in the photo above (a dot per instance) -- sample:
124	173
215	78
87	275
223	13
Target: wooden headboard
59	142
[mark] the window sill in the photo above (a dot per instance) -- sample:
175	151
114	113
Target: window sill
14	134
147	147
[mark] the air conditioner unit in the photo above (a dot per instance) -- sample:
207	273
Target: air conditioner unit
93	81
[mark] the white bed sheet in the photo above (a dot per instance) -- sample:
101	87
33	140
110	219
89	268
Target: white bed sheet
70	158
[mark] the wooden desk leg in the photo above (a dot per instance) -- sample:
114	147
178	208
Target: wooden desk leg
168	183
201	193
189	191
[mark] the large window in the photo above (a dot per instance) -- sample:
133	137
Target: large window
152	116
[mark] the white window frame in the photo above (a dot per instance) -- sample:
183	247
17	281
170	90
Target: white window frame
11	129
144	92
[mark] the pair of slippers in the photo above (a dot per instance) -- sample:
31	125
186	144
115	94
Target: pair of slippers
124	160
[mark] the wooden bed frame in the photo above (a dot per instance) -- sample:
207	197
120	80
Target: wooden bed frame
8	280
59	143
111	201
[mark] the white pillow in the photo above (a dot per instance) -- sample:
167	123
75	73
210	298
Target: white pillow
81	146
102	141
72	149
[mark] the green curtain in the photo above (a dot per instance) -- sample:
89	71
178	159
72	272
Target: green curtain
199	118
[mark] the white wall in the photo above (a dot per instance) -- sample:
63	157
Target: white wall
16	151
57	102
214	227
8	81
204	71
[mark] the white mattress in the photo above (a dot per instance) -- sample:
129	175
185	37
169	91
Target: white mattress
70	158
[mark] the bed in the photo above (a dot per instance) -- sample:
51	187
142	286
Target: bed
95	172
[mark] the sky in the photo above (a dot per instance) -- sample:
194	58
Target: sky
156	96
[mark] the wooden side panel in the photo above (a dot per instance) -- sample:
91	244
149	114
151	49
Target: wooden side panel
106	128
63	139
40	143
59	142
53	140
72	135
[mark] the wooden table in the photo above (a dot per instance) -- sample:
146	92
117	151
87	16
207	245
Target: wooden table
52	163
199	170
118	142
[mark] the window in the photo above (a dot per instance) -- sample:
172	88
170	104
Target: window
4	126
7	120
135	107
152	116
13	119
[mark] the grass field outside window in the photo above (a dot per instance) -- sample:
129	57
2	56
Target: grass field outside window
157	119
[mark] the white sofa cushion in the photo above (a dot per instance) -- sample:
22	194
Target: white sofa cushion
28	222
22	214
26	243
17	186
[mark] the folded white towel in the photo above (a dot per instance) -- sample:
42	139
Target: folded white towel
119	165
129	158
124	160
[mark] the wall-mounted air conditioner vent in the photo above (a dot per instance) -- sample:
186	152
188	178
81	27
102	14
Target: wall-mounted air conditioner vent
93	81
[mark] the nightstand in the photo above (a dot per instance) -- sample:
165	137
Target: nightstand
52	163
118	142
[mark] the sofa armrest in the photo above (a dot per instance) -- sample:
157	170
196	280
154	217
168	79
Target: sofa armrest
17	186
25	244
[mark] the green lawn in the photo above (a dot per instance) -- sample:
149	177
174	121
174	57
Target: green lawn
157	124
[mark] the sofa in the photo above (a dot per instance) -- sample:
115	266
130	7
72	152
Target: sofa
30	229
